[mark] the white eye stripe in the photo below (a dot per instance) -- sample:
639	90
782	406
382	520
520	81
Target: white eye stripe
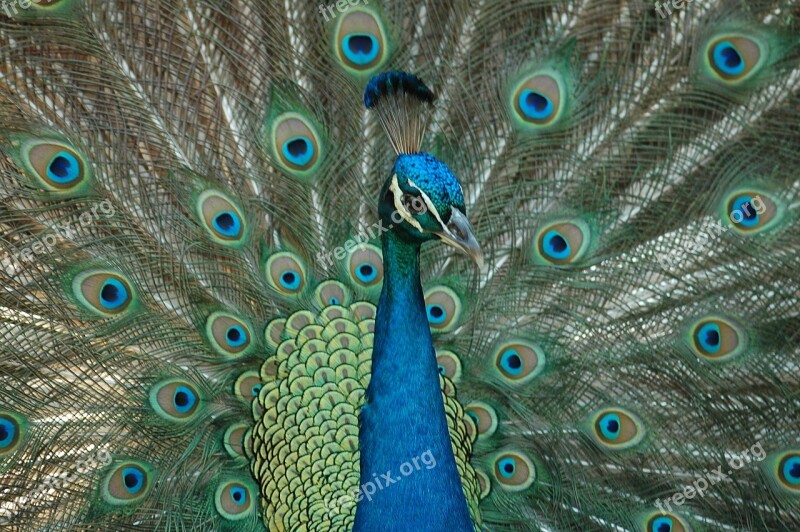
431	207
397	195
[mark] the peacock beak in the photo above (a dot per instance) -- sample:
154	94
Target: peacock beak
459	234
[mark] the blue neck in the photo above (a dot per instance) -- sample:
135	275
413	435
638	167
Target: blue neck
403	425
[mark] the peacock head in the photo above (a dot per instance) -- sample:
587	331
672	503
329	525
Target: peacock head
422	199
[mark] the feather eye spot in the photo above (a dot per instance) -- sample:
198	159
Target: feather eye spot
715	338
175	400
538	100
57	166
443	308
749	212
365	266
449	365
11	432
332	293
615	428
360	41
562	243
248	386
221	218
234	440
786	471
296	144
514	471
484	484
734	58
666	522
128	483
519	362
229	336
485	418
790	470
286	273
106	293
234	500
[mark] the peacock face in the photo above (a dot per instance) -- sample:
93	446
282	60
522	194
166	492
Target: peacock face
423	200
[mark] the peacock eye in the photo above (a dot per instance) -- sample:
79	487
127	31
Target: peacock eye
360	42
734	58
715	338
234	500
296	143
127	483
57	166
514	471
332	293
175	400
562	243
221	218
248	386
443	307
786	471
234	440
414	204
449	365
11	431
616	428
229	335
538	101
484	416
666	522
365	266
285	273
751	212
519	362
106	293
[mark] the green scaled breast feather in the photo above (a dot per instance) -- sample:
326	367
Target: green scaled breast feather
309	391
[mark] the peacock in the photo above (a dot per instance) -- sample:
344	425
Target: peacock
456	265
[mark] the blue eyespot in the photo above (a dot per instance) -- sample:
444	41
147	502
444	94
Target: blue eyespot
709	337
360	48
227	223
236	336
747	213
113	294
555	245
791	470
662	524
63	168
290	280
8	432
511	362
727	59
535	105
133	479
506	467
442	370
474	417
183	399
610	426
436	313
298	151
333	301
366	273
238	495
255	390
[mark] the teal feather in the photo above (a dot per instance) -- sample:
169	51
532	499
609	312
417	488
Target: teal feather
195	207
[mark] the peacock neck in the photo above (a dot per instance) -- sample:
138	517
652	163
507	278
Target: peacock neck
404	435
